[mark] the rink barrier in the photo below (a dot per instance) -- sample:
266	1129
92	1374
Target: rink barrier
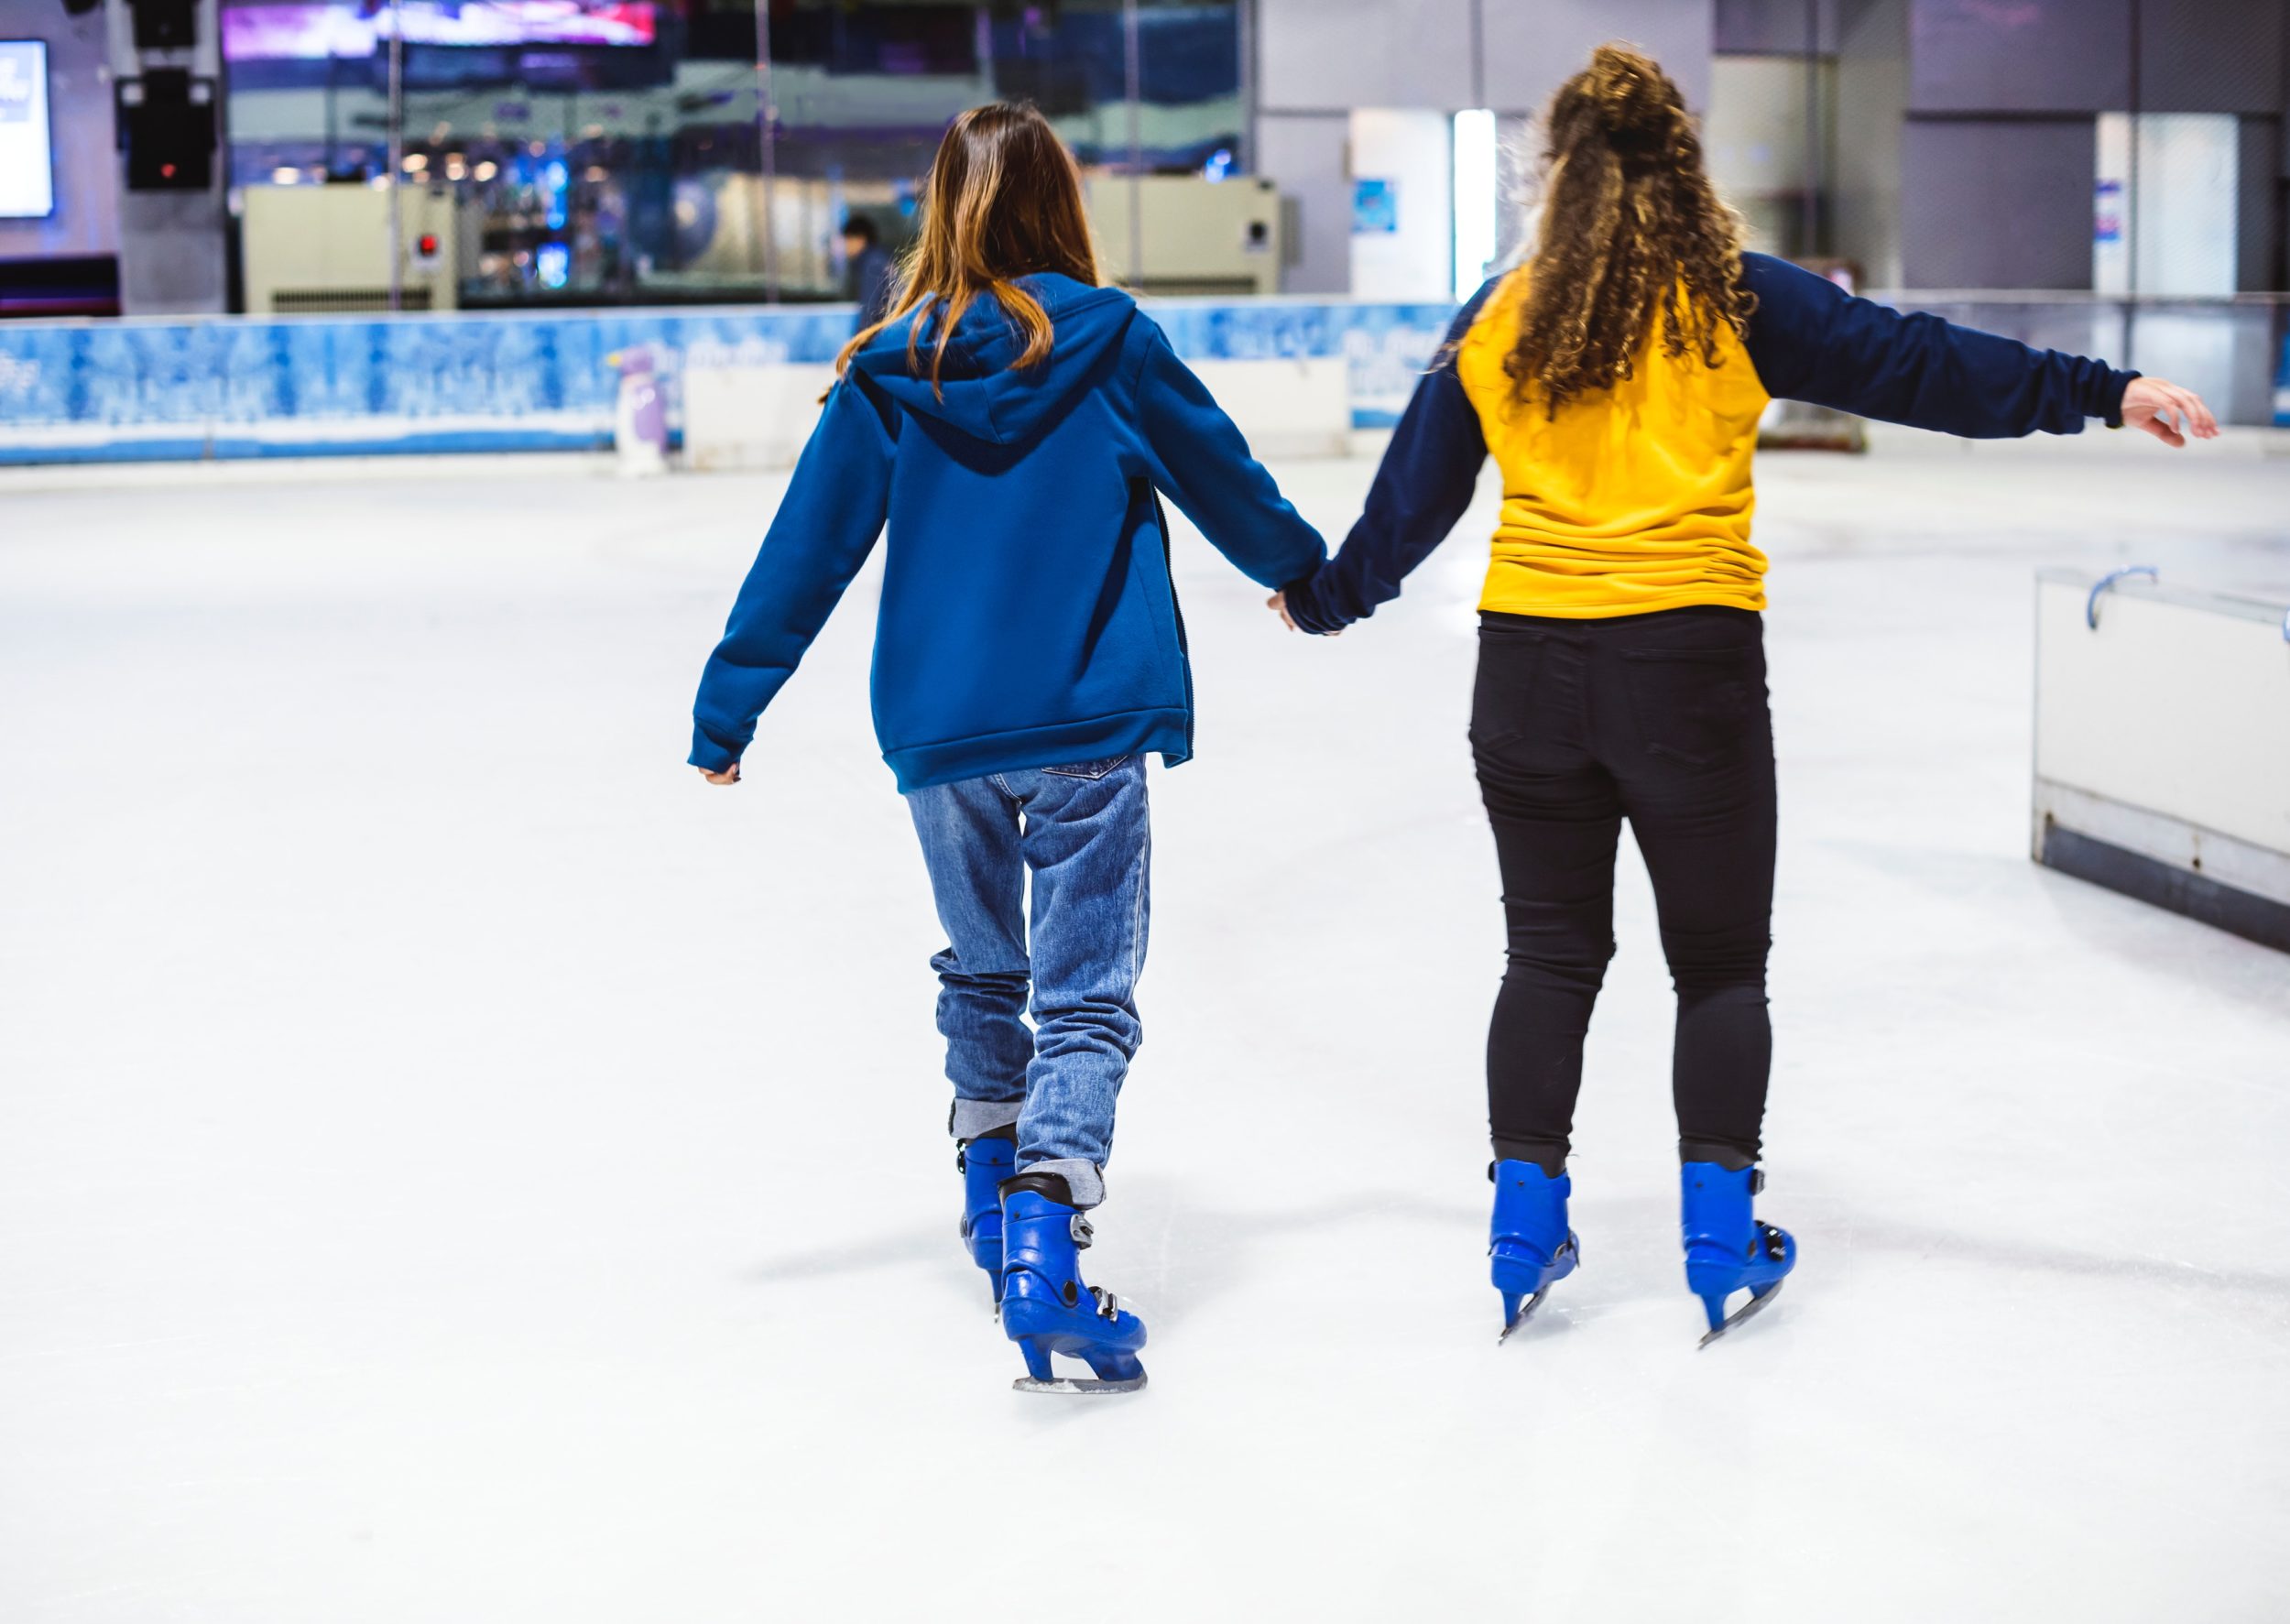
1302	372
2162	745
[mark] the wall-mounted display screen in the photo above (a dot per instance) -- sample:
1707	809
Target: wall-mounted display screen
27	174
309	32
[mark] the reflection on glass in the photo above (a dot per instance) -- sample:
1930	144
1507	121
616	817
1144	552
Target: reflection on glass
613	150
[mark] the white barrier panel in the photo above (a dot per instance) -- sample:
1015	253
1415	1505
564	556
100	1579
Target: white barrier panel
750	417
759	416
1299	407
2163	747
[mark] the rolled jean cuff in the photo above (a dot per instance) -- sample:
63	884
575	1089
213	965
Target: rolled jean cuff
1083	1178
972	1118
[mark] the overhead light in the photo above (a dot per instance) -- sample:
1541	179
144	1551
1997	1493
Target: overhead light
286	175
487	169
416	163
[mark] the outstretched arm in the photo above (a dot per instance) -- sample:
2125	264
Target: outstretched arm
825	528
1202	461
1812	341
1422	488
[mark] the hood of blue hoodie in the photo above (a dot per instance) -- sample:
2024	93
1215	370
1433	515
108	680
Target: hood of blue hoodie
979	393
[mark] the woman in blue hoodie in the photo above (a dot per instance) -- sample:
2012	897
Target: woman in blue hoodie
1015	425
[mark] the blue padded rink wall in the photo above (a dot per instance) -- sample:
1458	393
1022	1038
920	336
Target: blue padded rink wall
237	387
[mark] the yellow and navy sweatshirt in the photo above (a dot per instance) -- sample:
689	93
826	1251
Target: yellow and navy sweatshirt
1639	498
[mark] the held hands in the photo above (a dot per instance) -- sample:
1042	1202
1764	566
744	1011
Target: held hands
1278	604
2150	403
730	775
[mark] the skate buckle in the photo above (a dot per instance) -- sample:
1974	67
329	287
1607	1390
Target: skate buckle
962	1157
1081	1231
1107	1303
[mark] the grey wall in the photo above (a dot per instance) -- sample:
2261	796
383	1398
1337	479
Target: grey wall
1318	55
1872	102
1319	58
86	219
1308	154
1533	46
2211	55
2031	56
2004	204
2259	208
2002	65
1777	28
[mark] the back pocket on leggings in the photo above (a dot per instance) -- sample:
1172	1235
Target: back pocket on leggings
1502	694
1696	705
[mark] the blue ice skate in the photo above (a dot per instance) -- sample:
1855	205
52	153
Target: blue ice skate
1726	1250
1047	1310
984	1164
1528	1239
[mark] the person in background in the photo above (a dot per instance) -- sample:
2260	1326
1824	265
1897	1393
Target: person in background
1015	424
867	273
1617	377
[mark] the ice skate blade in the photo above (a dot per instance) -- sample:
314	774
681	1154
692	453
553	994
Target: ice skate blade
1077	1384
1738	1315
1524	1315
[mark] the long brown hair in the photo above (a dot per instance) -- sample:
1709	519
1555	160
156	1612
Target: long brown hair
1629	224
1004	201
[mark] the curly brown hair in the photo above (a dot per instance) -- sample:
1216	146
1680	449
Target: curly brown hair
1630	223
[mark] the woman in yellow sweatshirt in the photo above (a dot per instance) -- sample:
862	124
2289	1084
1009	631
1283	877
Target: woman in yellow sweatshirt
1617	378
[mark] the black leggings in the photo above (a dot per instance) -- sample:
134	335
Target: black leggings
1576	724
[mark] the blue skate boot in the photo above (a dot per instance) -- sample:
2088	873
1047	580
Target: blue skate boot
1726	1250
1528	1239
1046	1309
984	1163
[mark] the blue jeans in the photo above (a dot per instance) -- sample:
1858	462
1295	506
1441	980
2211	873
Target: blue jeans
1082	832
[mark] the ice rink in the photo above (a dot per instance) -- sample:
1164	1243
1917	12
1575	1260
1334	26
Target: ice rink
454	1166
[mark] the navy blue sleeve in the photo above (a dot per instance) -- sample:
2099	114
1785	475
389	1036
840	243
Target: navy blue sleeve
825	527
1202	460
1424	483
1811	340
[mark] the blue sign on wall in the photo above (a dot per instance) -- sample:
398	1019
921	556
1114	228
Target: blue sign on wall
1375	207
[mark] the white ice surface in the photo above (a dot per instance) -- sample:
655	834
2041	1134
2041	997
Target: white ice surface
456	1166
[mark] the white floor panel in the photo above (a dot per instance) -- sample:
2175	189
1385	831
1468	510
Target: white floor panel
456	1166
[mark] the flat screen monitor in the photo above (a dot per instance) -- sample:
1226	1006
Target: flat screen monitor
27	172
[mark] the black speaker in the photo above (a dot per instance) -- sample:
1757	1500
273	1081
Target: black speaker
167	128
165	25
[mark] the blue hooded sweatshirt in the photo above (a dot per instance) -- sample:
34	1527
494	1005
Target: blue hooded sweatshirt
1027	617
